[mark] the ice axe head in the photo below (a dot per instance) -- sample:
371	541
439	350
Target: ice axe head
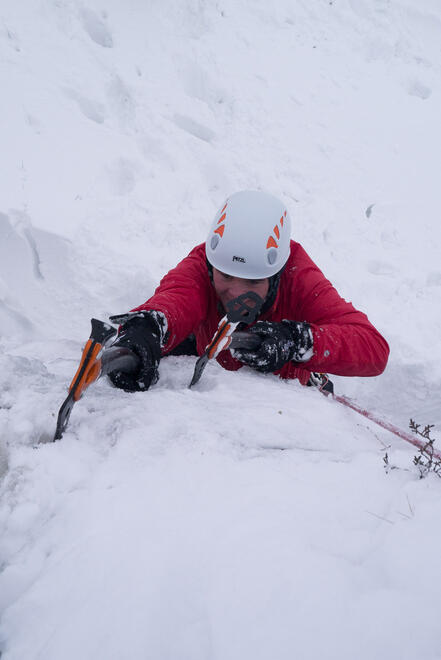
245	308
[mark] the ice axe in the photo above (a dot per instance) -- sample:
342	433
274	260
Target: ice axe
243	309
96	361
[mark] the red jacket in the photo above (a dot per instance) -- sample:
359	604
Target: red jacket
345	342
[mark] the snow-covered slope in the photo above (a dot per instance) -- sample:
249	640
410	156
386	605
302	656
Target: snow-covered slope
249	517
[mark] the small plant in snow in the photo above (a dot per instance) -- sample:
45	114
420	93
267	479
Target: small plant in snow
425	460
387	464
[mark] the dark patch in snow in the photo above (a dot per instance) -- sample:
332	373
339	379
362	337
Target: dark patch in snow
368	211
417	88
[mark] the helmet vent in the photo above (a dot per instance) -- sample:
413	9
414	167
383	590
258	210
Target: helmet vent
214	241
271	255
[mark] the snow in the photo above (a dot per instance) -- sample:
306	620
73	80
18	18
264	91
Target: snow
248	517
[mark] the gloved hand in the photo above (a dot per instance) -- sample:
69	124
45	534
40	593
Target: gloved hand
142	333
281	343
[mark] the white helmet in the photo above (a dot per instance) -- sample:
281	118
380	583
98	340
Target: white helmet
250	236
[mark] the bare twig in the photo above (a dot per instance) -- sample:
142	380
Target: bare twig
391	522
426	460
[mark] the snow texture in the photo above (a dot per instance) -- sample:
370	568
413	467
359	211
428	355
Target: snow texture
247	517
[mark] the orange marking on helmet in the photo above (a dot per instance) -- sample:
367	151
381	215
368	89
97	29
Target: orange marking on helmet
281	221
271	243
224	208
222	218
285	214
220	230
276	231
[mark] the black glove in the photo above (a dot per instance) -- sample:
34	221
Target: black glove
142	333
281	343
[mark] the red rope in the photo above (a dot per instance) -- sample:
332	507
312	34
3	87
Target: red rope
385	425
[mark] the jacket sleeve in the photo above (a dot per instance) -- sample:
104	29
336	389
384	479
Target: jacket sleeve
182	296
345	342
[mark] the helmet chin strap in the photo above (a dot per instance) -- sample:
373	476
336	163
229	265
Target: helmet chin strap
274	282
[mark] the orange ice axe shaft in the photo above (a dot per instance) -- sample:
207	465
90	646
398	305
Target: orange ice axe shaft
96	361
